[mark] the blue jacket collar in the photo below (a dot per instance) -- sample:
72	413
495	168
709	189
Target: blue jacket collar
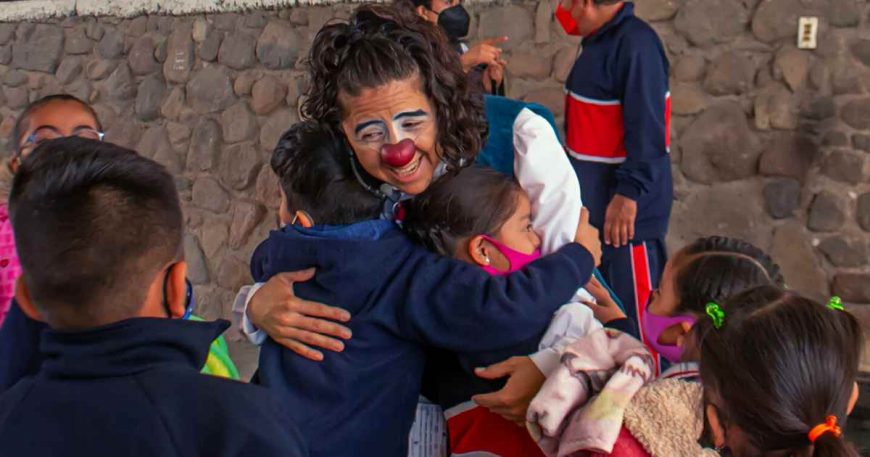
626	12
128	347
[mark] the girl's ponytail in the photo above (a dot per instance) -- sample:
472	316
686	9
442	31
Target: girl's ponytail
829	445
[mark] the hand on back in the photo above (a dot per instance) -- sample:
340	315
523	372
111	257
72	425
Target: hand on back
295	323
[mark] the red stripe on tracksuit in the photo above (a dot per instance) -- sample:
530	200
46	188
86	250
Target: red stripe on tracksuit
477	430
604	118
668	122
642	291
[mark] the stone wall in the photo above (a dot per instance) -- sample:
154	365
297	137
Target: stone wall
770	143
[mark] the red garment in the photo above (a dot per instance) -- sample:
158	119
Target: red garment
474	429
626	446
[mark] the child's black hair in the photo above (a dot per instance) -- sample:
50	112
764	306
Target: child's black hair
92	221
24	117
313	165
717	267
777	367
474	201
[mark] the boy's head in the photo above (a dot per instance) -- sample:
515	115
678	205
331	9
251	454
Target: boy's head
313	164
584	17
51	117
98	229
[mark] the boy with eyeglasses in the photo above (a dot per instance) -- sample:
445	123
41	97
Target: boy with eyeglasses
49	117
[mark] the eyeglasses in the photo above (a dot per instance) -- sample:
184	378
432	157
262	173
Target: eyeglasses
47	133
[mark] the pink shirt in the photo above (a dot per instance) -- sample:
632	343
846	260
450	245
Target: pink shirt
10	269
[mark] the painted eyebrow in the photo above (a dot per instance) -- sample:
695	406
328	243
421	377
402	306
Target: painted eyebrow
362	126
417	113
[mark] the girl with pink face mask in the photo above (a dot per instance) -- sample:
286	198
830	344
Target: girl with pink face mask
709	270
484	218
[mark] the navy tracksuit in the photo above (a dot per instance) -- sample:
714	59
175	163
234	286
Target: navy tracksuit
133	388
618	128
401	297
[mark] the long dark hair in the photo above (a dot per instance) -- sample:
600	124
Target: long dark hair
718	267
476	201
381	44
777	367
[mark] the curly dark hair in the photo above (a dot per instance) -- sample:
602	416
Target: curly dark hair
381	44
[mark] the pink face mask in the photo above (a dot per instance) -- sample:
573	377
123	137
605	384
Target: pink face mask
516	260
654	326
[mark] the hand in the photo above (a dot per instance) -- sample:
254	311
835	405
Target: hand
606	310
619	221
587	236
296	323
486	52
493	76
512	401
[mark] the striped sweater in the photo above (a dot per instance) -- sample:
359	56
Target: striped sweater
618	121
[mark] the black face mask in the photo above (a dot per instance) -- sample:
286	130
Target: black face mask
455	22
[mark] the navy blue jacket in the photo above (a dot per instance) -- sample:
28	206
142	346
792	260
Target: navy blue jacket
19	347
401	297
134	389
617	122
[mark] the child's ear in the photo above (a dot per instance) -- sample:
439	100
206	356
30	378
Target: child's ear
14	163
478	251
22	296
716	428
303	219
684	328
284	216
853	399
176	289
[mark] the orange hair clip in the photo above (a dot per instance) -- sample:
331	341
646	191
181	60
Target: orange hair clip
830	426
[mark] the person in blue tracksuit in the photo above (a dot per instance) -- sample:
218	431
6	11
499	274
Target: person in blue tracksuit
617	127
99	231
401	298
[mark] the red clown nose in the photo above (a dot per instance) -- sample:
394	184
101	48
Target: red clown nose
400	154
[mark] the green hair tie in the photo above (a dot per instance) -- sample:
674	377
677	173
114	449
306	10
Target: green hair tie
716	314
836	304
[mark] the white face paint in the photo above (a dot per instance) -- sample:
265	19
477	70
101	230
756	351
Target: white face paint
385	116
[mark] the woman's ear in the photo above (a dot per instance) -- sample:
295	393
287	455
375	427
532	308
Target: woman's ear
853	399
478	252
423	12
22	296
176	289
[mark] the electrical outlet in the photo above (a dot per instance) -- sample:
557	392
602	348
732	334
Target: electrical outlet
808	31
